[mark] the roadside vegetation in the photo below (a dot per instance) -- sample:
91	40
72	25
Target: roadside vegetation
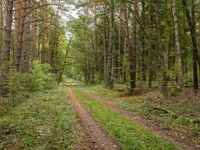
179	113
44	121
127	133
36	114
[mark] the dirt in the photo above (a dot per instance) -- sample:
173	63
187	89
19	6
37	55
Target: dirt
180	140
94	136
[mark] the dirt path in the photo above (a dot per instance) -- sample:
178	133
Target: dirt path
176	138
95	137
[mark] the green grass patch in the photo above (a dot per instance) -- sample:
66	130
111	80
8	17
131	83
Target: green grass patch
130	135
45	121
181	115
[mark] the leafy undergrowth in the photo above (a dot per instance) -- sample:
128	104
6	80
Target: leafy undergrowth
45	121
181	114
130	135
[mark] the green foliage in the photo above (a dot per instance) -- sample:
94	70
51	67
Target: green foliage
23	84
130	135
41	76
174	89
182	115
45	121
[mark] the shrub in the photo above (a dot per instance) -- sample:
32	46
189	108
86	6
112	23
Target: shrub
174	89
23	84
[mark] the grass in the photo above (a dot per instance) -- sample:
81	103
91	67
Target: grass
182	114
130	135
44	121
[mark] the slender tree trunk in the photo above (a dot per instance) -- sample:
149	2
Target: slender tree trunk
86	49
109	75
34	24
192	26
120	57
64	63
163	55
1	30
27	39
105	42
143	38
126	60
179	63
6	50
19	32
43	51
133	48
150	74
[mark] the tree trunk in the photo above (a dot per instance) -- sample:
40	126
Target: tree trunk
105	42
64	63
179	64
27	39
143	37
163	55
109	75
43	51
34	24
19	31
6	50
133	48
192	26
1	30
126	60
150	74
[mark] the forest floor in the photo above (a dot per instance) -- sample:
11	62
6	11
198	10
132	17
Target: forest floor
44	121
128	126
95	118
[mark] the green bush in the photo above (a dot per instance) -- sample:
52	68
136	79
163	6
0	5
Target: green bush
42	77
174	89
23	84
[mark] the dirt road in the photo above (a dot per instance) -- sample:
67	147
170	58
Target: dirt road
95	138
174	137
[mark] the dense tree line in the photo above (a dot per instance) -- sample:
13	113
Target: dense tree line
132	42
30	31
138	42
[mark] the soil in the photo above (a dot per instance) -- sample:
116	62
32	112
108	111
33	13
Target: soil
179	139
93	135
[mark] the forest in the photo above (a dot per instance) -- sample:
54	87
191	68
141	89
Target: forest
99	74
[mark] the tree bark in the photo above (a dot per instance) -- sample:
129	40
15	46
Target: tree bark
19	32
163	55
27	39
133	48
192	26
1	30
34	24
6	50
179	63
43	51
109	75
105	42
143	37
126	58
150	74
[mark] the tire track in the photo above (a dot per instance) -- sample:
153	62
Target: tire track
99	139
